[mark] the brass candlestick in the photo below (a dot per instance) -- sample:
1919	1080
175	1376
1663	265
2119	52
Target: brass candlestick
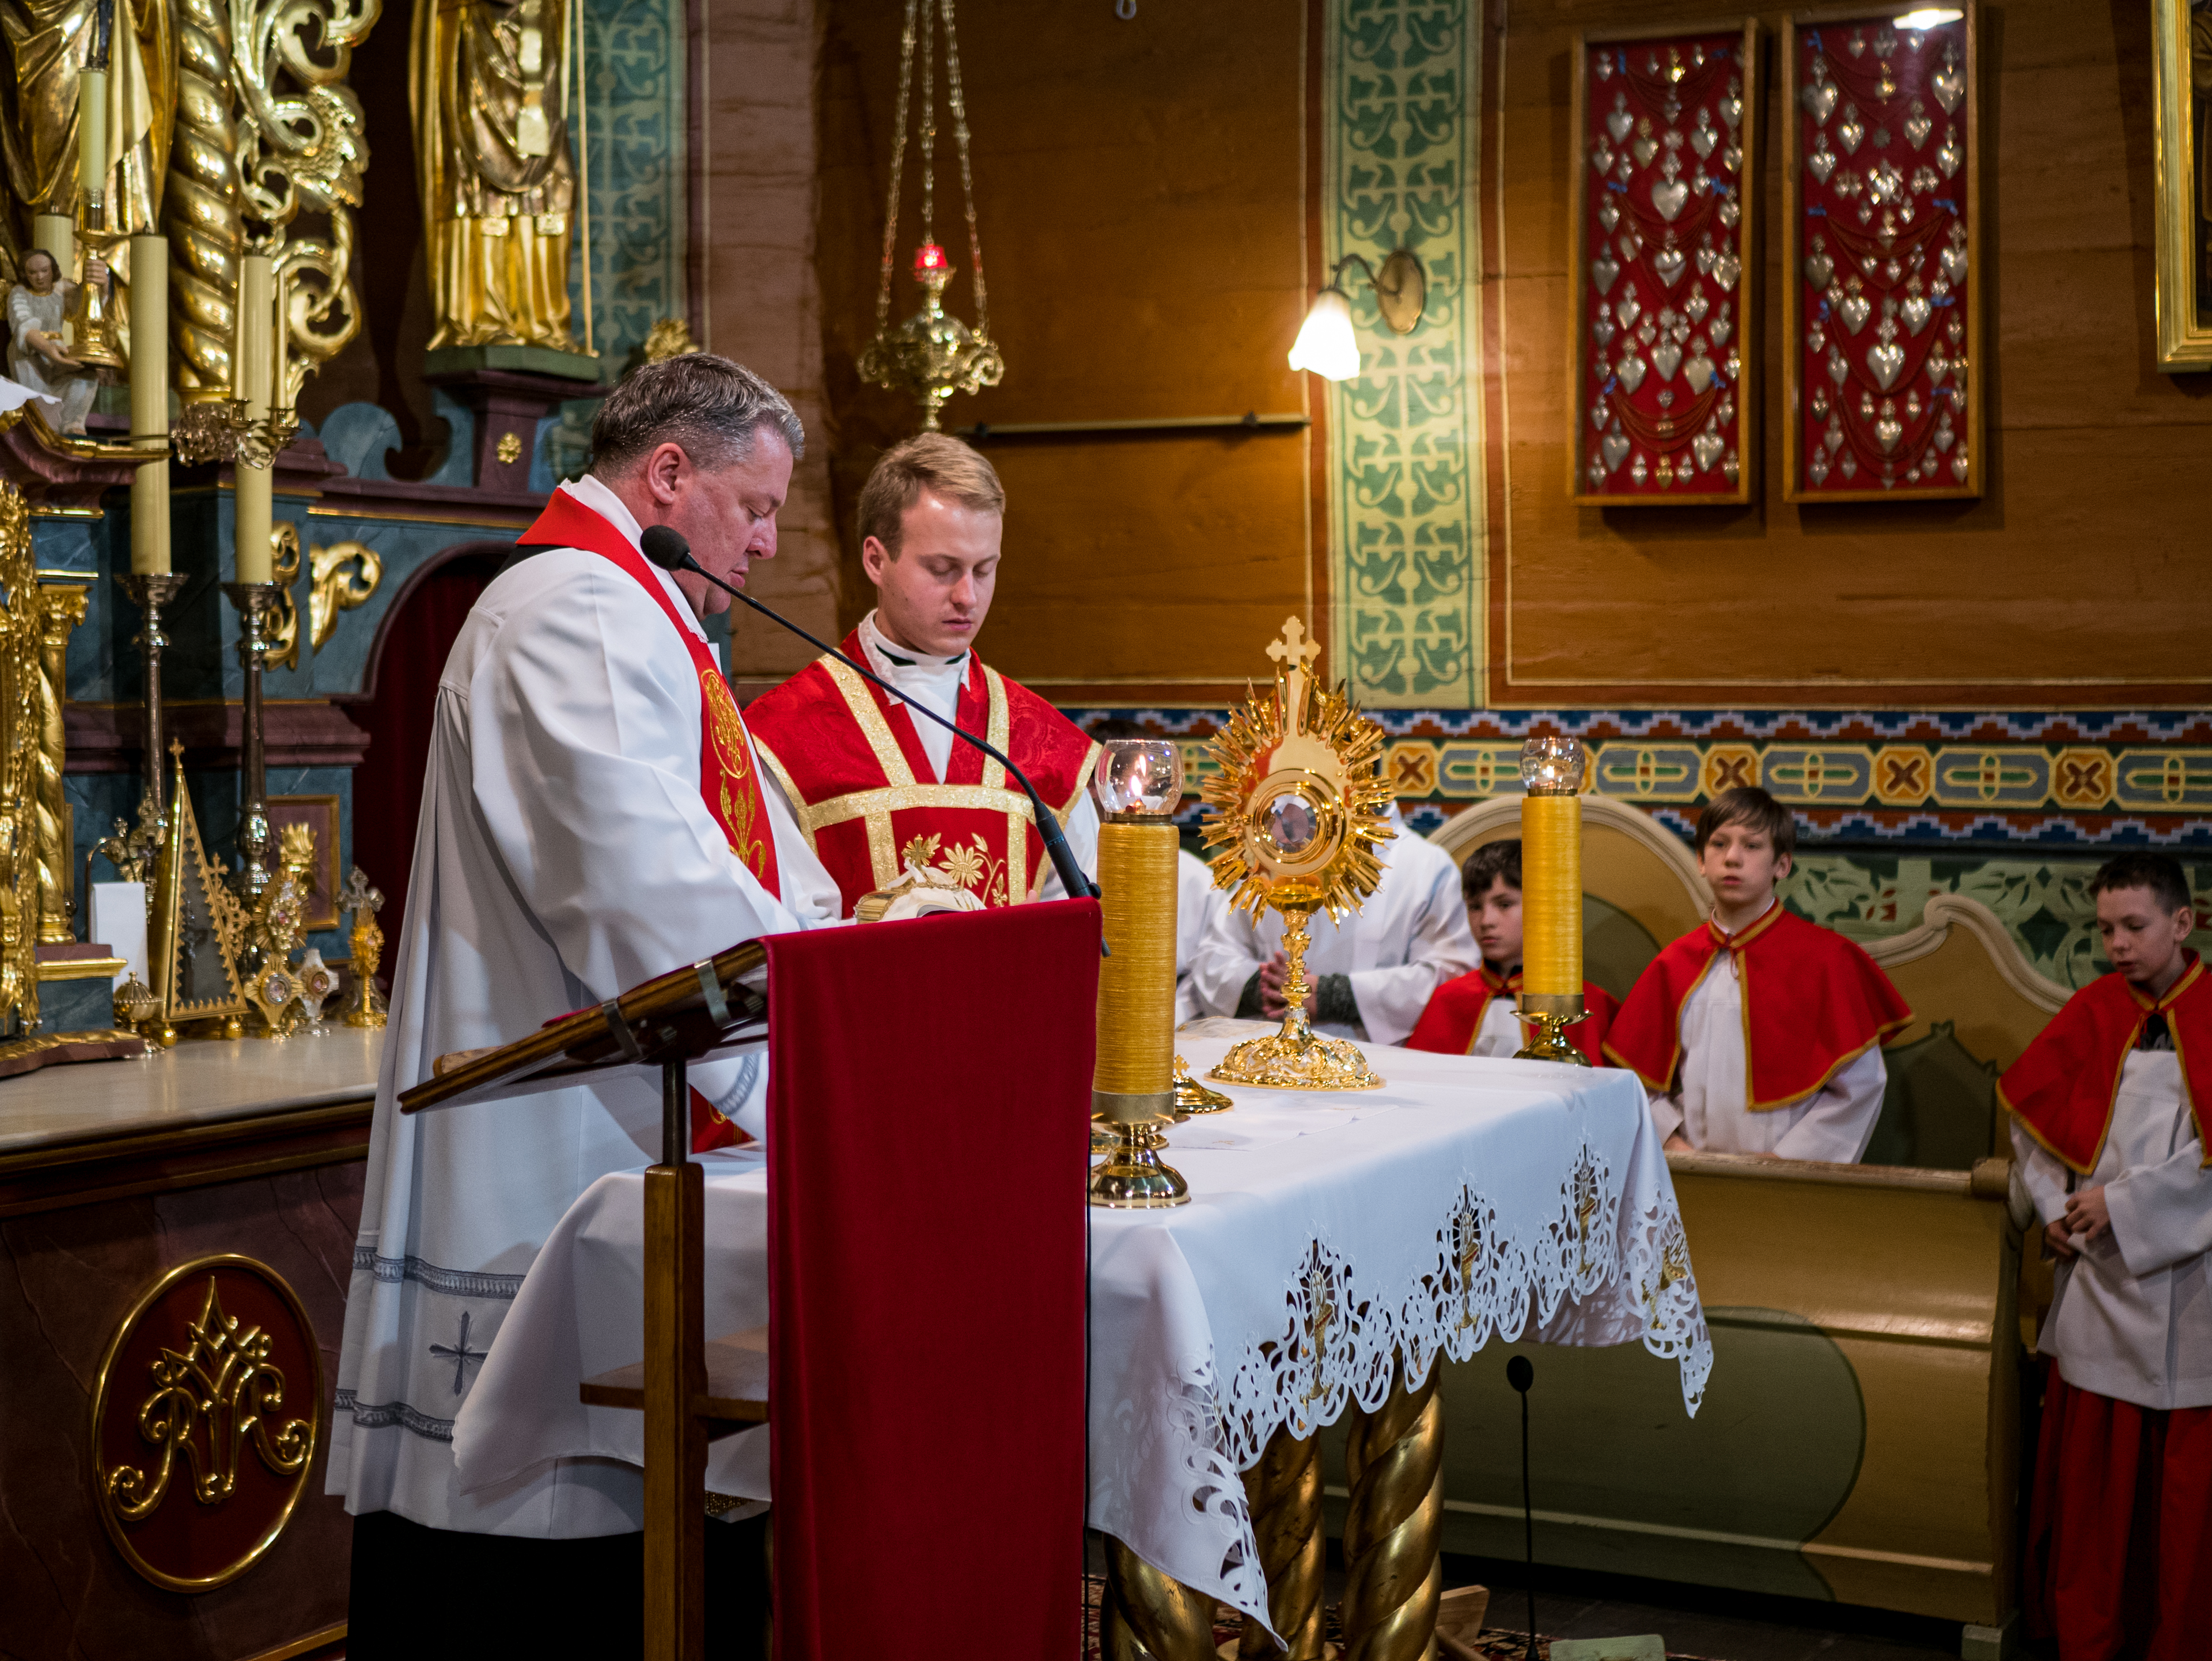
150	591
254	601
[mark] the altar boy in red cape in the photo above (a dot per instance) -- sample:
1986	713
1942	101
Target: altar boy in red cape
1758	1033
2109	1106
877	789
1477	1013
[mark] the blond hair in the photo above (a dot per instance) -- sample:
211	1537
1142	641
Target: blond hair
937	463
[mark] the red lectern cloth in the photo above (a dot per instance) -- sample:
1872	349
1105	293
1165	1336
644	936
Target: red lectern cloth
929	1138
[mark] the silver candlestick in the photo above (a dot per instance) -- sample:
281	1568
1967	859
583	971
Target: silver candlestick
254	601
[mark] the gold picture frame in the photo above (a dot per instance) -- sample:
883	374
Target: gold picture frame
2183	120
1590	482
1801	481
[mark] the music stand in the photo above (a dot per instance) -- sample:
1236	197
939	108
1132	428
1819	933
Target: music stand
710	1010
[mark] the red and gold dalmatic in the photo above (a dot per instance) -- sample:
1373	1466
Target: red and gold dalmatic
863	790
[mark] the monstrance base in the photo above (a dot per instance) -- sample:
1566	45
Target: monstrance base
1297	1058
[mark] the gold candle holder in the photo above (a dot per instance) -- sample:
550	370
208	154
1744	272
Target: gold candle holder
1552	897
1133	1083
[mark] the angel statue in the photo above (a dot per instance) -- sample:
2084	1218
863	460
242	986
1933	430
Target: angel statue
37	357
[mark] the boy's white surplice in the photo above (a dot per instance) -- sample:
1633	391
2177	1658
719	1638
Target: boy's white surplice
2131	1316
1410	937
564	855
1834	1123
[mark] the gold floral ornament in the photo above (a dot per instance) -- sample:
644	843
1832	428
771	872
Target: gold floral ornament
670	336
1297	805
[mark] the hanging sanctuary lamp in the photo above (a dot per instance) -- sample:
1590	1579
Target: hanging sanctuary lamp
932	354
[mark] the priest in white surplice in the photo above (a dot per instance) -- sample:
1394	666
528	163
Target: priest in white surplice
1371	974
591	818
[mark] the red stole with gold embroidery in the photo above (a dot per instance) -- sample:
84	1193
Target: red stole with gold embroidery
729	783
851	762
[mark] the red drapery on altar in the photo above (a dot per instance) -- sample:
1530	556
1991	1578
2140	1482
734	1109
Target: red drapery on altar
928	1147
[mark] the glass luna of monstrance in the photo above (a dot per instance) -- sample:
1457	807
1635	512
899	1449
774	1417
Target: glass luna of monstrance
1297	805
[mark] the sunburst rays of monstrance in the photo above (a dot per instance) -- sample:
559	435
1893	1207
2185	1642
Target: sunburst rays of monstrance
1298	805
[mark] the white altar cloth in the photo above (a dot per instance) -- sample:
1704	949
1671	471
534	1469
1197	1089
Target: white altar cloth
1327	1236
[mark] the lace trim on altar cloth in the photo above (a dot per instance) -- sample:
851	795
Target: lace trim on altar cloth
1340	1336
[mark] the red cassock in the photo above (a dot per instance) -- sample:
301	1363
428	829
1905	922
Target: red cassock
2062	1087
867	800
1813	1003
1453	1018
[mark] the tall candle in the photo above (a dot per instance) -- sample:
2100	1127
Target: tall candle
92	132
279	398
150	400
1552	895
251	355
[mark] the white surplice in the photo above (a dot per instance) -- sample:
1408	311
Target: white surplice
1833	1123
2131	1316
1499	1032
934	683
1410	937
563	855
1198	903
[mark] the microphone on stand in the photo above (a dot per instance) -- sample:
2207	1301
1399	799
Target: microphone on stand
669	551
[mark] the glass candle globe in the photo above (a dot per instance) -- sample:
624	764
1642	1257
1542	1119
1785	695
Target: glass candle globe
1552	766
1140	778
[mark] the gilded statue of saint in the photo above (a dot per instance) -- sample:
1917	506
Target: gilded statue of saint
37	357
49	43
489	84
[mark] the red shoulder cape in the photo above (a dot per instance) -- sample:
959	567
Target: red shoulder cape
2063	1085
1454	1015
1813	1002
867	800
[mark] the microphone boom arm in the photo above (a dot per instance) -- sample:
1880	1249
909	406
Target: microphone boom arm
1071	880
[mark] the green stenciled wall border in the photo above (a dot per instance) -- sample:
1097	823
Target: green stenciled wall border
1402	91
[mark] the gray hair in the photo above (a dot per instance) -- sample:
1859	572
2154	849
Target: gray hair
707	406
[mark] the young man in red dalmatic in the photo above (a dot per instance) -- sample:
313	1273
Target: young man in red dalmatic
2109	1109
1478	1013
875	789
1758	1033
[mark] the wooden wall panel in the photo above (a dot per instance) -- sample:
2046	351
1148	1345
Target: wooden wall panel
1141	194
2078	580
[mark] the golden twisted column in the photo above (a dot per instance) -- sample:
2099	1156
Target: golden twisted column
200	208
1148	1616
1394	1458
1284	1493
61	608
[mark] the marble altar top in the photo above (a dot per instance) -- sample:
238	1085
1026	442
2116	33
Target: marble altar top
198	1082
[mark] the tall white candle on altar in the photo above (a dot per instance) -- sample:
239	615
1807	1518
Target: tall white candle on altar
92	132
250	358
278	396
150	401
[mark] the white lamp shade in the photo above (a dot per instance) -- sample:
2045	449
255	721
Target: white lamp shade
1325	344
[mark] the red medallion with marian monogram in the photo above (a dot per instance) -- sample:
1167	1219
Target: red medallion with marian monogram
204	1422
1884	215
1663	327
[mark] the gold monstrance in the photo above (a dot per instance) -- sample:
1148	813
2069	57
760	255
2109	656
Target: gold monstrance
1299	804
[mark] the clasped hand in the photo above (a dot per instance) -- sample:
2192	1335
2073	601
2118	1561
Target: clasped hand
1272	1002
2088	1217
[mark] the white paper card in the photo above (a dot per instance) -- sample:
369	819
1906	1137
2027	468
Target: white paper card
118	923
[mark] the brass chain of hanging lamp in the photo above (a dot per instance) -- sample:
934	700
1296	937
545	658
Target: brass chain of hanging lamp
932	354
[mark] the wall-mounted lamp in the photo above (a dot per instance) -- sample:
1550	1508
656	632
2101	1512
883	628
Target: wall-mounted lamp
1324	342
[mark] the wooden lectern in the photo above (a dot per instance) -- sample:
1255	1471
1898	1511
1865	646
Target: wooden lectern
717	1008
